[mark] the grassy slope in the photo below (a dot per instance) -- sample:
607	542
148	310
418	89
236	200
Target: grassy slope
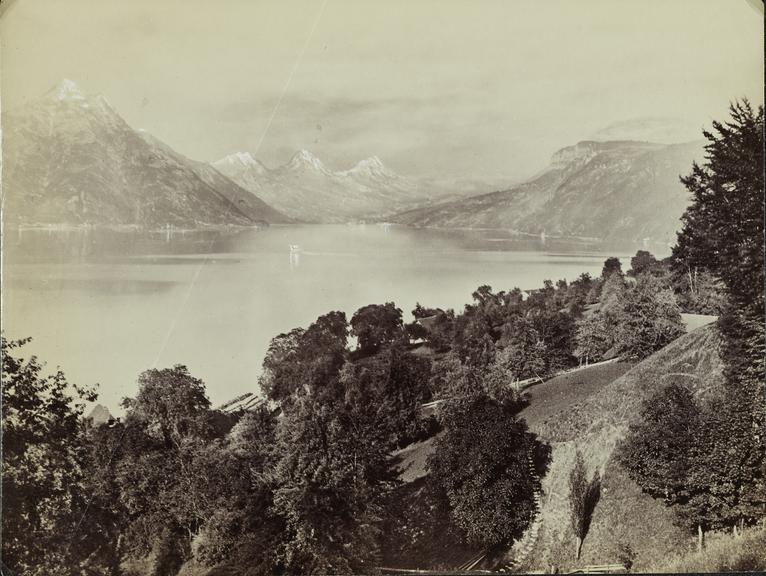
549	399
557	395
624	516
724	553
411	461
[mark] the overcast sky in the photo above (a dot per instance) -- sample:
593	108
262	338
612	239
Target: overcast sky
466	89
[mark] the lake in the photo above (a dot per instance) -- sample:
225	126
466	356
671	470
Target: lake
106	305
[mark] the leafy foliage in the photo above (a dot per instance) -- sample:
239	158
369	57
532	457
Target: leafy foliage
643	263
661	449
481	464
44	469
612	265
593	337
375	325
647	319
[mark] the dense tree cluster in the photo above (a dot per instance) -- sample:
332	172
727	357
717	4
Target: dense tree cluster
304	482
708	460
634	316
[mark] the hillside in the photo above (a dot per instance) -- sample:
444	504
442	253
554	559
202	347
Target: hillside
590	410
594	425
616	191
70	158
305	189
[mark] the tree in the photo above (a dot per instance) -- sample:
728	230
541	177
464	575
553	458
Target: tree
700	292
329	489
235	472
642	263
723	226
647	319
578	293
168	428
723	234
522	352
106	512
612	265
583	497
663	452
45	529
396	383
593	337
171	404
304	360
612	290
375	325
557	332
433	325
481	463
659	448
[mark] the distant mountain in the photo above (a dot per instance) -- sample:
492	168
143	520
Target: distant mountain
307	190
69	158
100	415
621	191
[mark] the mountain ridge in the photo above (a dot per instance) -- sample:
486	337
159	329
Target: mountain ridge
70	158
306	189
623	190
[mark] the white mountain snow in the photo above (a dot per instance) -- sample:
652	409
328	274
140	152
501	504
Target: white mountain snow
306	189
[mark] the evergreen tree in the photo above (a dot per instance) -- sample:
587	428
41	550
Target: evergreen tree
723	226
583	497
723	234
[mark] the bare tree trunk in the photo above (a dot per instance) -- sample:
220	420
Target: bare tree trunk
578	548
700	538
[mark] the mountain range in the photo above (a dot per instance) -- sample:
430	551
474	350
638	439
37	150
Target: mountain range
70	158
625	192
305	189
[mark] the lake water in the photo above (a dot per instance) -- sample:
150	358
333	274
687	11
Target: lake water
106	305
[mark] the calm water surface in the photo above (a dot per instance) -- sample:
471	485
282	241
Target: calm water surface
105	305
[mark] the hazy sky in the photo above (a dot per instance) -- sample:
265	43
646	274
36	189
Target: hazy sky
467	89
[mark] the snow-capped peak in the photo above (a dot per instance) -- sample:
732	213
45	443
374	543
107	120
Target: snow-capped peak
304	158
68	90
371	166
371	163
241	160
